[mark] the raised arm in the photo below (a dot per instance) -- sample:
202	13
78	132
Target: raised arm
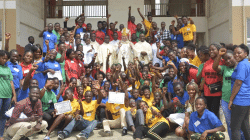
42	92
7	39
61	91
124	64
107	61
26	82
138	9
45	29
153	83
129	13
173	28
216	66
165	102
62	58
157	52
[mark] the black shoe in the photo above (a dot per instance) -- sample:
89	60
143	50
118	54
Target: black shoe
40	132
124	132
24	138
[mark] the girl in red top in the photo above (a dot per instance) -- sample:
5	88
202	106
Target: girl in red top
212	77
71	68
27	63
80	65
187	72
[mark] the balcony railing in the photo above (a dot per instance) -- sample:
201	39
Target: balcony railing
172	9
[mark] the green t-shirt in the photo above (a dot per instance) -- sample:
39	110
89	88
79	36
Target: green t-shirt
49	98
62	67
5	78
161	105
57	34
150	86
226	87
161	84
200	70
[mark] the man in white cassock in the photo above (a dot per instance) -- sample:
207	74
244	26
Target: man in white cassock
103	52
143	50
88	51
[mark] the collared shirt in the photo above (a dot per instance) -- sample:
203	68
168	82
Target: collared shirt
80	67
57	35
25	107
165	34
184	98
132	27
242	72
110	33
207	121
52	64
5	78
52	40
99	36
16	71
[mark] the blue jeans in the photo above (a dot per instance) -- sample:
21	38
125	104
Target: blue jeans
86	127
227	114
4	106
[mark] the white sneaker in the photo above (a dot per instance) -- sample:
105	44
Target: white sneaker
81	137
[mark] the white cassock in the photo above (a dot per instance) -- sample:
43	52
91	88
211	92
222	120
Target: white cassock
125	51
103	52
115	44
88	55
143	47
154	51
96	46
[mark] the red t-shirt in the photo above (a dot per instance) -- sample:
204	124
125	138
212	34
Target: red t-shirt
192	74
71	67
131	27
99	36
211	77
26	70
81	68
134	42
110	34
162	52
119	35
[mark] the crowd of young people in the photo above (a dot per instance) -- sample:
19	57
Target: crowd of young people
161	71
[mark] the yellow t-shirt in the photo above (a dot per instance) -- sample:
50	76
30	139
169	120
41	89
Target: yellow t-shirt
89	110
114	109
128	108
187	32
148	25
75	106
151	120
196	61
150	100
88	88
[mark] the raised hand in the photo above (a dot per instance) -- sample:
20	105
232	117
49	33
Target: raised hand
173	22
34	67
7	36
138	9
222	51
129	7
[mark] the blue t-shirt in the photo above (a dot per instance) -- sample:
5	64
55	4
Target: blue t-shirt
17	73
184	98
80	30
105	31
23	94
166	58
177	62
207	121
242	72
171	87
130	96
179	39
57	92
39	76
104	100
52	40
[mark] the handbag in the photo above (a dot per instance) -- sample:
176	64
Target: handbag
216	87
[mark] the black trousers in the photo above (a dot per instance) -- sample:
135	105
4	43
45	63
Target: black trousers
213	104
240	121
156	132
48	117
187	42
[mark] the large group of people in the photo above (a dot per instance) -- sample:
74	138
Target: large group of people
162	74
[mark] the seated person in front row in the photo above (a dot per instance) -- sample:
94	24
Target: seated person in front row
203	124
85	121
21	128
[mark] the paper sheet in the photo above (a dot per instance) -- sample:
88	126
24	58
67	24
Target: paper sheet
177	118
63	107
9	114
57	74
116	97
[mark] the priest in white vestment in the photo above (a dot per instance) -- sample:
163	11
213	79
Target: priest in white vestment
143	50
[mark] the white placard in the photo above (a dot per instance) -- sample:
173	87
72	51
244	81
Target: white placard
9	114
116	97
63	107
57	74
177	118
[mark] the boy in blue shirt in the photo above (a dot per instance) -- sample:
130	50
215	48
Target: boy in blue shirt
56	91
204	124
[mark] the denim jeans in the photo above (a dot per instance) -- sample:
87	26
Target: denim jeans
85	126
227	114
4	106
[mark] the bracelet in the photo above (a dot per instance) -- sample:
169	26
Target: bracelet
45	88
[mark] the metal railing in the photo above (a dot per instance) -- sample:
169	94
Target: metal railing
172	9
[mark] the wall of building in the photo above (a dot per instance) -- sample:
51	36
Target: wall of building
219	21
10	21
240	13
29	21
